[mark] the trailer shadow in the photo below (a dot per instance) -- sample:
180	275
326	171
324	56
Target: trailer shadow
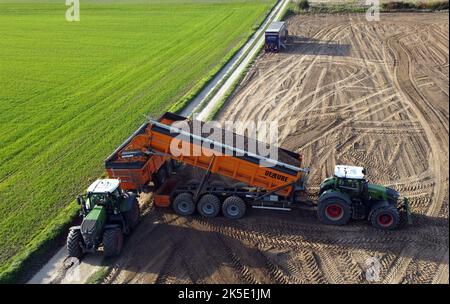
309	46
168	248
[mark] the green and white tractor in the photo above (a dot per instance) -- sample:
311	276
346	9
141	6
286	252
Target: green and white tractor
349	195
108	214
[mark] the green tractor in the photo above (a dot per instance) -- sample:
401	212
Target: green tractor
108	214
348	195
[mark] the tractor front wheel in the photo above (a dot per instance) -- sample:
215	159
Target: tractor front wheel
334	211
73	244
385	218
112	242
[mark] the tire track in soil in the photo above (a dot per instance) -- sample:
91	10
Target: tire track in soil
425	186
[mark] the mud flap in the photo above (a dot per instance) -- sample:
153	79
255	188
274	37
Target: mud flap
405	206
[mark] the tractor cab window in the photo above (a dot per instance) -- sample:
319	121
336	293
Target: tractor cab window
97	199
351	185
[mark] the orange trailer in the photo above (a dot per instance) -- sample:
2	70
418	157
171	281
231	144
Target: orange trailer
151	152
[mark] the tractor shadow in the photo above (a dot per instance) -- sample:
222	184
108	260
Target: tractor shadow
309	46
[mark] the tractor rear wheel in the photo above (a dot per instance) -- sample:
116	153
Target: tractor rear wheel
334	211
132	216
183	204
112	242
234	207
73	243
385	218
209	205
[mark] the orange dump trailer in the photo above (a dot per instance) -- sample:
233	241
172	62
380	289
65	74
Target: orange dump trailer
155	149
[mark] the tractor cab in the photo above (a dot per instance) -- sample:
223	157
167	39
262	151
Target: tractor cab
347	194
102	192
108	213
347	179
351	180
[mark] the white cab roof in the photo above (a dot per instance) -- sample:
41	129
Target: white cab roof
104	186
275	27
349	171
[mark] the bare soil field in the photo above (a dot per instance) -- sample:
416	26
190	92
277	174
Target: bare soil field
348	91
373	94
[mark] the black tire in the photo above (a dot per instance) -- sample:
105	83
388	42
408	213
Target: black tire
234	207
334	211
183	204
385	218
73	243
209	205
132	216
112	242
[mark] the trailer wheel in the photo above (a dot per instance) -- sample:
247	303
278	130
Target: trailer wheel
334	211
209	205
73	243
385	218
233	207
183	204
112	242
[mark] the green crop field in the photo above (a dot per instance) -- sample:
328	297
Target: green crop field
70	92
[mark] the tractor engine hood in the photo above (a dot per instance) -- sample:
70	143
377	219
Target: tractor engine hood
380	192
92	227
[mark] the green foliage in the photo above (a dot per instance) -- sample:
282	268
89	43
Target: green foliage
354	6
303	5
338	8
73	91
421	5
98	276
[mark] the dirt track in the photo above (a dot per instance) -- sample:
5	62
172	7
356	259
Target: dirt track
372	94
